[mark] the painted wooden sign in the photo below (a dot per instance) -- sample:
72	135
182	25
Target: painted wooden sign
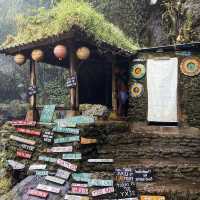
38	193
22	140
72	156
88	141
83	185
47	159
65	124
37	167
143	175
63	174
81	120
79	190
183	53
124	175
103	191
100	160
48	188
81	177
100	183
16	165
28	131
148	197
41	173
60	149
23	154
67	165
126	190
75	197
27	147
66	130
48	136
71	82
67	139
23	123
55	180
47	113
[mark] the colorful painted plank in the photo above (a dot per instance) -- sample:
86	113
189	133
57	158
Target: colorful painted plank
60	149
48	188
47	113
38	193
28	131
100	183
23	154
83	185
79	190
67	139
47	159
67	165
37	167
72	156
16	165
63	174
148	197
66	130
55	180
103	191
22	140
41	173
81	177
75	197
81	120
100	160
27	147
88	141
23	123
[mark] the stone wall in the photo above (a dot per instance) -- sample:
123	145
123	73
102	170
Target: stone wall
188	99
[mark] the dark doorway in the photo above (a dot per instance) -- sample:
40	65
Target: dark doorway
95	83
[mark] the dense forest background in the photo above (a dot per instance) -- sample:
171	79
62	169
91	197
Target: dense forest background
148	22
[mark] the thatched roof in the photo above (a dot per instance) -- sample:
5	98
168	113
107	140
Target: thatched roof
61	19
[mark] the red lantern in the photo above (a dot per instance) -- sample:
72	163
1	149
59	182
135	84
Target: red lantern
60	51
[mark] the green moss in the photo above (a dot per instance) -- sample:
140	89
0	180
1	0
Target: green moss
61	18
5	185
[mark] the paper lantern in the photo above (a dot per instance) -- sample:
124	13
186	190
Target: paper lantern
37	55
60	51
20	59
83	53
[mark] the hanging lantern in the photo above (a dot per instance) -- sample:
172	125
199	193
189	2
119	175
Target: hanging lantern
60	51
83	53
20	59
37	55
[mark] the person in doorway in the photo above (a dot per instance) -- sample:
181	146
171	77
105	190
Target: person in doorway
122	91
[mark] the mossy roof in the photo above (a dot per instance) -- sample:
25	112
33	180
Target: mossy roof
61	18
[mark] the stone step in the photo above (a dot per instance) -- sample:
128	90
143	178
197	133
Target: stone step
173	190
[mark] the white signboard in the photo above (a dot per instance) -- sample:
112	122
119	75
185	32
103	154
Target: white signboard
100	160
102	191
37	167
63	174
75	197
55	180
48	188
162	78
16	165
60	149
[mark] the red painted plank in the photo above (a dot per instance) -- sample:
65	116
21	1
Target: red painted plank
28	131
38	193
23	154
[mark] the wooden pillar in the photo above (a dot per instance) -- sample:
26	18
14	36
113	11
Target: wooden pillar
72	65
114	94
32	114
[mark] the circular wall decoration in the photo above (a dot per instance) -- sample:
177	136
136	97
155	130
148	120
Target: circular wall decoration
138	71
190	66
137	90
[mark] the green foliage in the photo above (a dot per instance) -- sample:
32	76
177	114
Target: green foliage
62	17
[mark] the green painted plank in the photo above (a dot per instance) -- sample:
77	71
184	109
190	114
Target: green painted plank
81	177
100	183
67	139
72	156
66	130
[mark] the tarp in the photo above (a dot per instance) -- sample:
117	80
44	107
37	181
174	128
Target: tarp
162	78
